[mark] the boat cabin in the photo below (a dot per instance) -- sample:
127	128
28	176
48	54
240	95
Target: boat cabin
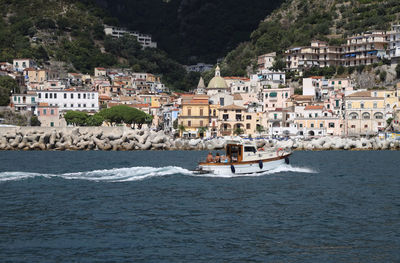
237	151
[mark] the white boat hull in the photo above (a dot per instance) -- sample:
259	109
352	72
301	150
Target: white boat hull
246	168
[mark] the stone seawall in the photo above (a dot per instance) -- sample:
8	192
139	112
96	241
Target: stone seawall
126	139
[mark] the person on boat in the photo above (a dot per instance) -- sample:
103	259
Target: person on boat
210	158
217	158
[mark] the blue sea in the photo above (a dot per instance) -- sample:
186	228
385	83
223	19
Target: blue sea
148	206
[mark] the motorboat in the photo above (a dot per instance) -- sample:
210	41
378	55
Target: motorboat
243	157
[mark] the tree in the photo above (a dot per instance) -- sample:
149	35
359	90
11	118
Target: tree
95	120
175	124
279	64
389	122
259	129
201	131
8	85
341	70
238	131
125	114
181	129
77	118
382	75
398	71
35	121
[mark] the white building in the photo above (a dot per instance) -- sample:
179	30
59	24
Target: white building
394	43
70	100
266	61
23	63
270	79
117	32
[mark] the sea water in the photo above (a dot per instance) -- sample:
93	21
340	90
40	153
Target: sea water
149	207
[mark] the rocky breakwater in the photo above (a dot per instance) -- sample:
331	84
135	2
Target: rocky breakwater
83	138
338	143
126	139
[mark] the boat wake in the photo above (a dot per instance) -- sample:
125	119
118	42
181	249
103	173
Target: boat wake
135	174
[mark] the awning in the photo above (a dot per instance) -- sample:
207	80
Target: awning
273	94
372	52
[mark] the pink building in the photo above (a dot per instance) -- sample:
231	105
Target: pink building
276	98
49	116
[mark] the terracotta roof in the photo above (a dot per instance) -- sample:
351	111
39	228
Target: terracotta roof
302	97
232	107
100	68
104	97
43	104
238	78
314	107
361	94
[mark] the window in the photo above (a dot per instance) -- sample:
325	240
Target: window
353	126
362	105
366	126
79	95
353	116
331	125
321	125
40	95
201	114
275	116
225	117
248	117
375	105
72	105
65	105
312	125
201	123
79	105
84	105
250	149
15	98
189	112
46	96
72	95
84	95
44	112
238	117
189	123
248	126
51	112
378	116
349	105
51	124
301	125
32	99
92	105
51	95
65	95
366	115
316	115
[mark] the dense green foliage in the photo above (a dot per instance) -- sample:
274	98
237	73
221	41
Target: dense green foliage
80	118
35	121
7	85
297	22
125	114
195	30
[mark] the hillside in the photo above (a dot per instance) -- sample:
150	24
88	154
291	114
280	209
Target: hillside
297	22
71	33
192	30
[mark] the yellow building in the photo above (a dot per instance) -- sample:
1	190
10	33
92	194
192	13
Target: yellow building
194	115
234	117
365	113
34	75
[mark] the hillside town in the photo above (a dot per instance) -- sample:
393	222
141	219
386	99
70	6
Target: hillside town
262	104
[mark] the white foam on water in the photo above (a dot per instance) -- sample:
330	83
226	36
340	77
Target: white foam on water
139	173
281	169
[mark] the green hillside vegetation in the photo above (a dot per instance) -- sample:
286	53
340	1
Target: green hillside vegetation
297	22
72	31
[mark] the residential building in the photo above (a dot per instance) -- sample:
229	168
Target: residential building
199	67
319	54
117	32
100	72
364	114
231	118
23	63
70	99
280	122
394	44
364	49
194	114
271	79
35	75
49	116
276	98
266	61
24	102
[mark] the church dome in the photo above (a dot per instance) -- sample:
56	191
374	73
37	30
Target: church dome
217	82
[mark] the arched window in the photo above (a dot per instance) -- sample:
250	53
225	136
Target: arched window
353	115
366	115
378	115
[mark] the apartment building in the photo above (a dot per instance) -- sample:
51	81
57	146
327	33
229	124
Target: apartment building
364	49
266	61
70	100
394	43
194	114
117	32
319	54
233	118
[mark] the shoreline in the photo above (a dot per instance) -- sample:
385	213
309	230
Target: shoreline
125	139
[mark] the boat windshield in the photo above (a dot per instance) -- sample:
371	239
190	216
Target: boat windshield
234	152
